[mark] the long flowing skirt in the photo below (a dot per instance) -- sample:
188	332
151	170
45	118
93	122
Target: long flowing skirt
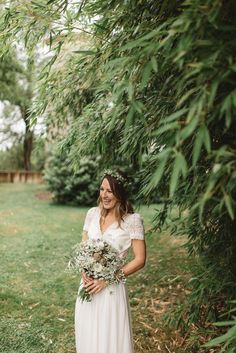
104	324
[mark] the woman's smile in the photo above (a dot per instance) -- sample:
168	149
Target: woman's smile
106	200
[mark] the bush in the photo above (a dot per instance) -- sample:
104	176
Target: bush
69	186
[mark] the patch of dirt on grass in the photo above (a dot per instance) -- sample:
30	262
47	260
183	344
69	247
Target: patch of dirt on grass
7	229
44	195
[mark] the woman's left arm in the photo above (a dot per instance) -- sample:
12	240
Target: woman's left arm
139	250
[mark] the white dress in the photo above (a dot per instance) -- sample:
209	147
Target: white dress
104	324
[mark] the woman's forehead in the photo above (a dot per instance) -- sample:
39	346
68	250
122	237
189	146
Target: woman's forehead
105	183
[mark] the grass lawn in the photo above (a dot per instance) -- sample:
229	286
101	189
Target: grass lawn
37	297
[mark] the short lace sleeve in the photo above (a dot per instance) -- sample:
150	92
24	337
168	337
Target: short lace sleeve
88	218
135	226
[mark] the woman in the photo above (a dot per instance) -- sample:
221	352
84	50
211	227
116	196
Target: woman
104	324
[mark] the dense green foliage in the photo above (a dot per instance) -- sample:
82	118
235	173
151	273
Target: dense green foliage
12	158
16	87
78	187
11	72
158	80
39	154
228	339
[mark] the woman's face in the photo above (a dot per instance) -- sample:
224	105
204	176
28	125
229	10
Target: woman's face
107	197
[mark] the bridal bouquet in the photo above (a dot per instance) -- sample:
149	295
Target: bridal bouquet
98	259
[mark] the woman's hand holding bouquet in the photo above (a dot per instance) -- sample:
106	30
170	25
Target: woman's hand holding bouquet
99	264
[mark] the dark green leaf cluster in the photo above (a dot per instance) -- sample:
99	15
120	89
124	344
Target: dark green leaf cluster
228	339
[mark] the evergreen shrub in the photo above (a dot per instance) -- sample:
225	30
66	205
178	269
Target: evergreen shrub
70	186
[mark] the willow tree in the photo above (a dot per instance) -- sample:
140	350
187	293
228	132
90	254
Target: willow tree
157	83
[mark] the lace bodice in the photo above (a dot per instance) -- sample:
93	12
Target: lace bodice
119	236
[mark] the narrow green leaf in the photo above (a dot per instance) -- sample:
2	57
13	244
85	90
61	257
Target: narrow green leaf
229	206
130	90
234	97
87	52
225	323
171	126
98	25
37	4
146	75
189	129
179	167
50	39
213	90
206	196
158	173
197	146
186	96
176	115
133	44
202	138
154	63
138	106
116	63
183	164
156	177
221	339
129	118
142	41
227	107
206	139
174	178
191	113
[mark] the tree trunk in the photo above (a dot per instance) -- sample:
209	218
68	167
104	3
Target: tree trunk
28	145
28	140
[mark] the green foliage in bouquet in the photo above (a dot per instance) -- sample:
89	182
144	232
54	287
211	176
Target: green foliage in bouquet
69	186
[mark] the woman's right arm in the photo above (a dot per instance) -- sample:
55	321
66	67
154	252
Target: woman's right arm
85	278
87	221
85	235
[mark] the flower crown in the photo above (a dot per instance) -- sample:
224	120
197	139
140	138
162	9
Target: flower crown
115	175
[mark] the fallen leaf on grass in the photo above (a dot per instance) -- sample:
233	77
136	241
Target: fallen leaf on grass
155	311
147	326
33	305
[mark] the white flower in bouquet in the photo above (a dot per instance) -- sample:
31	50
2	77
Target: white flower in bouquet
97	268
98	259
